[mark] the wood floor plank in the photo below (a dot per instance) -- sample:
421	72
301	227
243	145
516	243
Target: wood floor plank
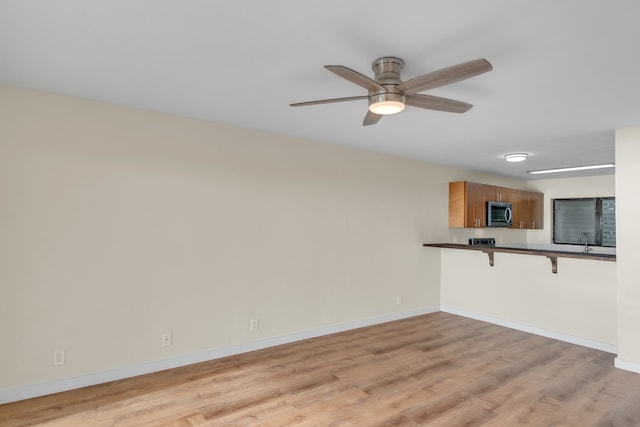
437	370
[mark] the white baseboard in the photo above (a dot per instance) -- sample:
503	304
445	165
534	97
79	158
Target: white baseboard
627	365
533	330
41	389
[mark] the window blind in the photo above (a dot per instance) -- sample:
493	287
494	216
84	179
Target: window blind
571	218
595	217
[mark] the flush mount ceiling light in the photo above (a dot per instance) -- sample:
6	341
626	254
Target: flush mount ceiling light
516	157
386	103
574	168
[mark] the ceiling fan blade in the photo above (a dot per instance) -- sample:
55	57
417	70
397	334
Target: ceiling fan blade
356	77
371	119
437	103
445	76
328	101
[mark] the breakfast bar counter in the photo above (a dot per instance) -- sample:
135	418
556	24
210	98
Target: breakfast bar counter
552	254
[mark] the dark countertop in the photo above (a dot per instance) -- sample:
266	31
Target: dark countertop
525	251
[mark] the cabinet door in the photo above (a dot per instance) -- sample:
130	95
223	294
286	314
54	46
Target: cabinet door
520	207
527	210
476	205
536	209
467	205
494	193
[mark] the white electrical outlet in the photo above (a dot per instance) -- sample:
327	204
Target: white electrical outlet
166	339
58	357
254	325
398	300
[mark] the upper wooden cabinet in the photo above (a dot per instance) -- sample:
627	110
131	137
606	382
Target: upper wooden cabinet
527	209
497	194
520	208
468	205
536	207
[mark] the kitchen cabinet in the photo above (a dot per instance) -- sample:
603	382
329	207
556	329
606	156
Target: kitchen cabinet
468	202
497	194
536	209
527	209
519	207
521	213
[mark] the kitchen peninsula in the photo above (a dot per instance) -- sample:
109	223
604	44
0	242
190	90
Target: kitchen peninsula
577	305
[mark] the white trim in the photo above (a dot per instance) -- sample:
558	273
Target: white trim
41	389
609	348
627	365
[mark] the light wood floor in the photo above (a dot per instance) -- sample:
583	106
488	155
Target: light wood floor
436	370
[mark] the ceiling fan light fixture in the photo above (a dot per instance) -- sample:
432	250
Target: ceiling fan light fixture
386	103
516	157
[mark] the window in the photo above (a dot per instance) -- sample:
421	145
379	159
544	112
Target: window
595	218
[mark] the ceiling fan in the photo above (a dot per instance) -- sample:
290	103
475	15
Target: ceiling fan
388	94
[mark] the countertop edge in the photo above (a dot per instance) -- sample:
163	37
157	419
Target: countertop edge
539	252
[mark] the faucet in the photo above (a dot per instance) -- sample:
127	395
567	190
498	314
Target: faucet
586	241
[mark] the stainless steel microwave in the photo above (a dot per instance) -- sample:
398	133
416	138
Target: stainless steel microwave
499	214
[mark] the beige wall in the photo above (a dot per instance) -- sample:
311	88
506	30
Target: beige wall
628	236
118	225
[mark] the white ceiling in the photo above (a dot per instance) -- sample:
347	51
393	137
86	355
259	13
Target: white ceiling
565	71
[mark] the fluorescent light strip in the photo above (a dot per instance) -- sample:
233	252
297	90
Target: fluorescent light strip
574	168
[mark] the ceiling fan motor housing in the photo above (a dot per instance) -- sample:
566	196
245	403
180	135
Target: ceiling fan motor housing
387	73
387	70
